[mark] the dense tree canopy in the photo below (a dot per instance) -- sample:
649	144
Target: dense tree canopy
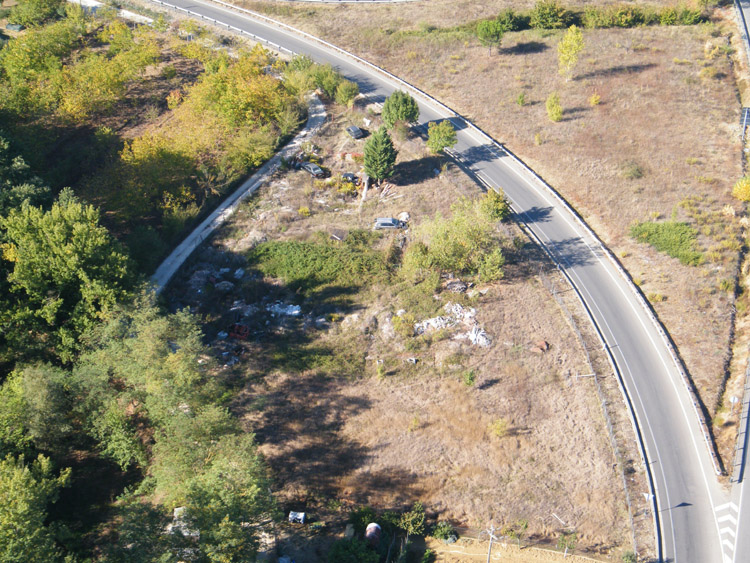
66	272
25	492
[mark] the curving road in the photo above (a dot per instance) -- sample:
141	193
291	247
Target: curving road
695	519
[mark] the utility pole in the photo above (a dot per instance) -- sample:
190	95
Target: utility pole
491	533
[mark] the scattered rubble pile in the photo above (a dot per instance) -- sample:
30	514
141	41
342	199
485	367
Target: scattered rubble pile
457	314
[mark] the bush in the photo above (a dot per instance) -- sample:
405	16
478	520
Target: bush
741	189
443	530
469	378
459	244
511	21
361	517
631	16
404	324
499	428
678	240
34	12
351	551
399	106
327	79
491	268
346	91
347	189
554	108
686	16
548	14
146	248
631	170
495	206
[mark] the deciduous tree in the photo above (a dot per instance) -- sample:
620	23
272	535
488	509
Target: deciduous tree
490	33
400	106
66	271
441	136
26	489
568	50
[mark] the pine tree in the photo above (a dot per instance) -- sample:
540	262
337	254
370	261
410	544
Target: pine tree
380	155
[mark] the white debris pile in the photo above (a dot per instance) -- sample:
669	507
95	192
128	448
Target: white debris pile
435	323
477	336
460	313
288	310
456	314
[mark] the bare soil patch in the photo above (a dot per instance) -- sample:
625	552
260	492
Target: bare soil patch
350	412
662	144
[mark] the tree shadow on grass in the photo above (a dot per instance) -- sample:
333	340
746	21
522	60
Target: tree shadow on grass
571	114
525	48
619	69
301	429
303	422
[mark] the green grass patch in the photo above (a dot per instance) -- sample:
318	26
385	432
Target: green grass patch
678	240
312	266
338	362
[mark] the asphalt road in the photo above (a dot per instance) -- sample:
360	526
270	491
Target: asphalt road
689	500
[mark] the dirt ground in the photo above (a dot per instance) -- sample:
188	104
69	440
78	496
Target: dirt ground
469	550
525	440
663	143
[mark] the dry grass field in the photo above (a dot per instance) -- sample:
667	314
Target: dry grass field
662	144
346	419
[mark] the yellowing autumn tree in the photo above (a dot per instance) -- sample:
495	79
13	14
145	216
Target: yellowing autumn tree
568	49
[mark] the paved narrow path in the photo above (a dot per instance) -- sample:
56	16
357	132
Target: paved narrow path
689	504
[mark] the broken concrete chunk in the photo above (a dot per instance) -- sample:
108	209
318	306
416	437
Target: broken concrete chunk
224	286
456	286
280	308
